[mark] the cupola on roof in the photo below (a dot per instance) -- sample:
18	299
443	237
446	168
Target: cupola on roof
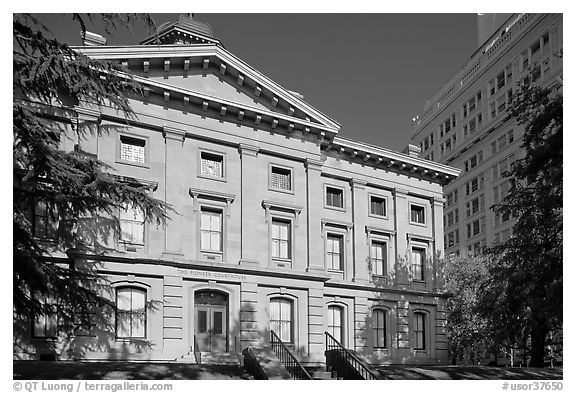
186	30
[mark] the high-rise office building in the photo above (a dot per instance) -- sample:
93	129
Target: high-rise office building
466	124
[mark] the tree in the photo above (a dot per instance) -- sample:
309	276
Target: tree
527	281
470	332
79	194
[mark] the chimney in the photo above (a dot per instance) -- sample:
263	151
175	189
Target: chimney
93	39
412	150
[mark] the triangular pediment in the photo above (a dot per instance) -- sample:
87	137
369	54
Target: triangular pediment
213	84
213	72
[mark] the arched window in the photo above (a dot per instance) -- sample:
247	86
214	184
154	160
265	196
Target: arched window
336	322
379	328
419	330
130	312
281	316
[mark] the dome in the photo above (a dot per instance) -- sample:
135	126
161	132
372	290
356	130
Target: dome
187	22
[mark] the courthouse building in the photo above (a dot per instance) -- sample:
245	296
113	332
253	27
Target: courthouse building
466	124
281	224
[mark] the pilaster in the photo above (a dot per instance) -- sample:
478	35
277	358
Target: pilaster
316	321
88	127
315	205
173	315
360	249
175	188
249	203
401	268
438	242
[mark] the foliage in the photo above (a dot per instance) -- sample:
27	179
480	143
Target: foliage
526	286
468	330
49	81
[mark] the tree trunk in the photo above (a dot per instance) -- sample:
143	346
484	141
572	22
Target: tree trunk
538	343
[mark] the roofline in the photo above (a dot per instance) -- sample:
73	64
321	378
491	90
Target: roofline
396	157
178	50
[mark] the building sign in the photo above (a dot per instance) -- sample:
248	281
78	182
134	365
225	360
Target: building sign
211	275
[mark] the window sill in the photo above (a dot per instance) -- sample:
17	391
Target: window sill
129	339
216	178
419	224
133	163
340	209
283	191
384	217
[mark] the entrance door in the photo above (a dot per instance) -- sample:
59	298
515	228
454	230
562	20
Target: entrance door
211	316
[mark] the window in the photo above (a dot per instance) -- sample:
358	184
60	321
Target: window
132	225
452	198
336	322
379	257
418	258
476	227
132	149
378	206
281	239
211	230
46	325
379	328
419	331
281	319
281	178
335	252
334	197
500	80
474	185
45	221
417	214
130	313
475	205
211	165
451	218
453	238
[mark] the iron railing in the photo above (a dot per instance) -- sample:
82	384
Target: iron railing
197	353
346	364
294	367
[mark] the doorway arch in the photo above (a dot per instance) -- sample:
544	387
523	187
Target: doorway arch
211	320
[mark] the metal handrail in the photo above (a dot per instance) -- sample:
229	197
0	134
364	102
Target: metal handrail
197	353
345	359
294	367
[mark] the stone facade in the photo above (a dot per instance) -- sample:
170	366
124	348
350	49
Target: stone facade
202	106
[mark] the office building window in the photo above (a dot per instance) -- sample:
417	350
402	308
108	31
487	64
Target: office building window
211	165
211	230
419	331
132	149
335	252
132	225
379	257
379	328
378	206
281	239
45	221
281	315
130	313
417	214
281	178
418	266
334	197
336	322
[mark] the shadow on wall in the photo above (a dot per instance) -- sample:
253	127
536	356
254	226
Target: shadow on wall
81	335
397	344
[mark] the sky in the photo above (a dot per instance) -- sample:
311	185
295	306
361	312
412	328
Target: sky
372	73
